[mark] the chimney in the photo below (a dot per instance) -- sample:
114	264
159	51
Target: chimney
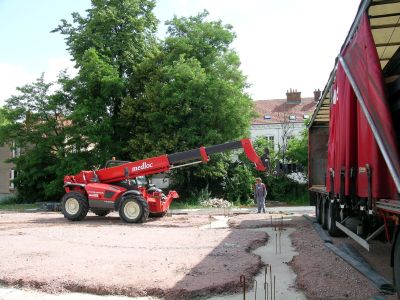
293	97
317	95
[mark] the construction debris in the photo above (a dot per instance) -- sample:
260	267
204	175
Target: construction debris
215	202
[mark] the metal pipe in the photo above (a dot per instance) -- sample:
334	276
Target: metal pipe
280	248
363	7
188	164
265	283
243	282
371	123
274	288
270	278
255	289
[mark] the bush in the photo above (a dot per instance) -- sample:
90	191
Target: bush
281	188
239	183
10	200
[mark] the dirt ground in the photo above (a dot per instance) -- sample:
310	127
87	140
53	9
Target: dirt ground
177	257
174	257
323	275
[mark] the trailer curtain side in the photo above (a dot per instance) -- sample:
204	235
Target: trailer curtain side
359	116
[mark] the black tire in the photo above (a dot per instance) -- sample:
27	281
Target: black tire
100	212
74	206
134	209
324	212
396	266
332	217
318	212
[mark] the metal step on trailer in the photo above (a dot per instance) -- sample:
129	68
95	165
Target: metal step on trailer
389	205
365	243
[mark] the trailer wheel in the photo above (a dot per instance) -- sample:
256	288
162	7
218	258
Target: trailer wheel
318	205
332	216
396	266
74	206
100	212
324	211
134	209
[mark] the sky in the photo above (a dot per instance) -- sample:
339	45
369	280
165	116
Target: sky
285	44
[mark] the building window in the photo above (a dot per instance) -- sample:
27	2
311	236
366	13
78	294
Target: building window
15	151
306	116
292	117
11	177
267	117
270	138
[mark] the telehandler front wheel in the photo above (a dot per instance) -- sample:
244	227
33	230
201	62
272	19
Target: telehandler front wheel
74	206
134	209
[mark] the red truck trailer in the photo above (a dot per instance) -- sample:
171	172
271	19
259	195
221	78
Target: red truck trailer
354	165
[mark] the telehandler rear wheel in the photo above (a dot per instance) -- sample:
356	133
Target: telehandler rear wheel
134	209
74	206
100	212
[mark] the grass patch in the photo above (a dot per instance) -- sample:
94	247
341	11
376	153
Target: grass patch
13	203
18	207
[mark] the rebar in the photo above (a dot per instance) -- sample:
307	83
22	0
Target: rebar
274	287
255	289
280	243
243	282
265	283
270	278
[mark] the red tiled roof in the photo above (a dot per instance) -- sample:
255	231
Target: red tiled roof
278	109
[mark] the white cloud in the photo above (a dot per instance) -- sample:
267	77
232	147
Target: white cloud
55	65
13	76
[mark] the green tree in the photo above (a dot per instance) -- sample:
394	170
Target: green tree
35	125
298	149
133	97
107	45
194	95
195	91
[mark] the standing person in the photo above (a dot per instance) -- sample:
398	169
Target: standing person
260	192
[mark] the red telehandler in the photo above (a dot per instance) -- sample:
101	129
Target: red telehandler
117	186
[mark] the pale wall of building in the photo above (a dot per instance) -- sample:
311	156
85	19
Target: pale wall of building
6	188
274	131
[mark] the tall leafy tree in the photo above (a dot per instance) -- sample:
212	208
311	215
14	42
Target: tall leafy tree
35	124
133	97
194	94
107	45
